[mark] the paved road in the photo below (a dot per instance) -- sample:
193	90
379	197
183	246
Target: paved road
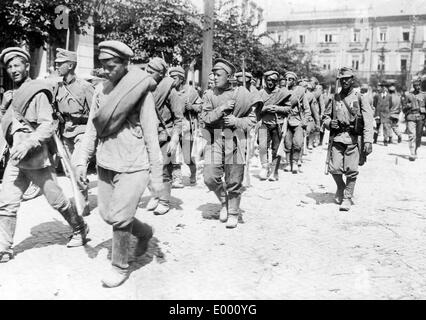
293	244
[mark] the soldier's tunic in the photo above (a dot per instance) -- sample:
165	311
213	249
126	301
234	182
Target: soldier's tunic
225	149
74	100
345	148
313	121
293	140
382	104
270	129
415	114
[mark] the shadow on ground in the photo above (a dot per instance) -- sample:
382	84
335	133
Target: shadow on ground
45	234
321	197
175	203
403	156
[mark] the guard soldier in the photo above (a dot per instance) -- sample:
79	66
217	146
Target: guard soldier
28	127
190	125
395	110
272	117
122	129
227	115
382	105
342	119
297	121
414	109
170	108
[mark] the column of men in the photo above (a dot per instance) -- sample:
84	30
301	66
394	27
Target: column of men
138	123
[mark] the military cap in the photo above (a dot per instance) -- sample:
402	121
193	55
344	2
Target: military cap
271	74
364	86
158	64
416	80
222	64
291	74
239	76
113	48
315	80
177	71
63	55
345	72
12	52
392	88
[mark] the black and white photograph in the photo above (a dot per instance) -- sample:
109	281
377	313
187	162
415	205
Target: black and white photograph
213	150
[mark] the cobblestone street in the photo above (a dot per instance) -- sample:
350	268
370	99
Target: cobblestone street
293	242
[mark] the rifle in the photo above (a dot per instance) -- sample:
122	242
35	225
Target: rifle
331	138
246	180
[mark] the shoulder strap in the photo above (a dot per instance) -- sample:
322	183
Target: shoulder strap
84	106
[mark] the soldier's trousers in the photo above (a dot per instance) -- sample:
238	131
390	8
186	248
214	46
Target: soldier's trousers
395	126
269	137
415	132
293	141
72	145
15	183
119	194
344	159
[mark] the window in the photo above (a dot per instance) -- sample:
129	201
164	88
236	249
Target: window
302	38
328	37
356	37
382	35
355	63
406	36
403	64
381	64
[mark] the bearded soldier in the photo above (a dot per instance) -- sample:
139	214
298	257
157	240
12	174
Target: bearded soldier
272	117
297	120
122	130
169	105
345	149
190	125
227	115
28	127
415	113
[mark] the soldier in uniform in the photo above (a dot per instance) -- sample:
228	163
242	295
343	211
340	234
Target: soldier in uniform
73	99
190	125
122	130
382	105
394	112
345	147
272	117
297	121
227	115
28	127
414	109
170	106
313	126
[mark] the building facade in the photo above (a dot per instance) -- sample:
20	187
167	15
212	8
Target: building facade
384	46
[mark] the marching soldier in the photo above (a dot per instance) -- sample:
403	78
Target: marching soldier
414	109
293	139
395	110
122	130
382	104
170	108
227	115
272	117
313	123
73	98
28	127
345	148
190	125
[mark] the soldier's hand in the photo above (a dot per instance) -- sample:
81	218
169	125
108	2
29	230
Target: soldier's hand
81	172
230	120
230	105
334	124
7	98
172	147
368	148
19	151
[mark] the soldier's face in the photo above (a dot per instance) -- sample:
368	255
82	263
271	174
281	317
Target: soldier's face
416	86
177	81
346	83
211	84
64	68
221	78
290	81
156	75
271	83
114	68
283	83
18	69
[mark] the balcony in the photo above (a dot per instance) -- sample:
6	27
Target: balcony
328	44
356	44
